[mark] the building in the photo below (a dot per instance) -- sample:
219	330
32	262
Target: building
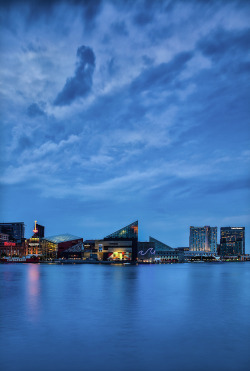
203	240
39	230
33	245
120	245
165	253
10	248
232	241
90	252
15	231
53	247
73	252
146	252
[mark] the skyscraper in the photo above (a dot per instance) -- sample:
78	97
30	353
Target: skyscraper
232	241
203	239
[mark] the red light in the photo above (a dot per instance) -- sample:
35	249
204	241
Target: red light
9	244
35	230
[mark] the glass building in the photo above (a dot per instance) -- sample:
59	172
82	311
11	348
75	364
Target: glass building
14	230
128	232
232	241
119	245
54	246
203	239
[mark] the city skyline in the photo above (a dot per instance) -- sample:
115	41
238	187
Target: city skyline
122	111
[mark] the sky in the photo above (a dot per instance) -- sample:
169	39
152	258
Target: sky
113	111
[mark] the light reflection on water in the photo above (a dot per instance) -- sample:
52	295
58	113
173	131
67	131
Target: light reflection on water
33	290
93	317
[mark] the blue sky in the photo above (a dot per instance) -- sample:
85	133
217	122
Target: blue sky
113	111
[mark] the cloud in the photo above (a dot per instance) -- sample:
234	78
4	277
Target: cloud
223	44
162	75
81	83
34	110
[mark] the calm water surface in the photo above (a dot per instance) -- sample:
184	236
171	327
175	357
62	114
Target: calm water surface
150	317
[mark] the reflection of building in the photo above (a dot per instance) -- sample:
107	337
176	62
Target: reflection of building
14	230
166	253
120	245
232	241
203	239
54	246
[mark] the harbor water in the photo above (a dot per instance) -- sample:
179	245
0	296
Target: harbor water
175	317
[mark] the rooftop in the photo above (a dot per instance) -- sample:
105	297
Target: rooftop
62	238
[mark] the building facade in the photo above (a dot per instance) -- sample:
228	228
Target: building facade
120	245
232	241
53	247
146	252
15	231
203	239
165	253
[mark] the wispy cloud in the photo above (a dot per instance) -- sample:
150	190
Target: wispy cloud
140	104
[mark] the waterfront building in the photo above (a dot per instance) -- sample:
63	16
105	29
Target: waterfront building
8	247
232	241
39	230
119	245
203	240
4	237
90	252
54	246
33	245
73	252
14	230
166	253
146	252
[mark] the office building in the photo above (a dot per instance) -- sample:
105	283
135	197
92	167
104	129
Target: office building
14	230
232	241
203	240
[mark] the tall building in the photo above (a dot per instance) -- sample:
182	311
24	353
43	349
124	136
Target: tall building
232	241
203	239
14	230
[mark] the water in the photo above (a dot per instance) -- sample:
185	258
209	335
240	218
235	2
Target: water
151	317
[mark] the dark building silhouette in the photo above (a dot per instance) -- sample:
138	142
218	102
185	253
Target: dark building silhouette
232	241
15	231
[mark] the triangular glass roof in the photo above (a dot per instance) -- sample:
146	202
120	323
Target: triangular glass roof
130	231
159	246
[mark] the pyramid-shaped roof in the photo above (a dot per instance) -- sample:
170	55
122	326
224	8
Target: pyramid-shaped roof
159	246
130	231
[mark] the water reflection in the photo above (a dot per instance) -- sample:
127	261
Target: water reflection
33	291
169	317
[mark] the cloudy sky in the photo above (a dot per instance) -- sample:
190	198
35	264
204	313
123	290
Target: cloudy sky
113	111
